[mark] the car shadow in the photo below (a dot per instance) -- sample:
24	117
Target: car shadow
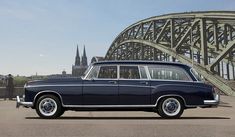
224	104
126	118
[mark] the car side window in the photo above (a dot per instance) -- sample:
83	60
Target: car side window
93	73
129	72
109	72
168	73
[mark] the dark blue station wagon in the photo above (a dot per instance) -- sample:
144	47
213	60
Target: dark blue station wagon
163	87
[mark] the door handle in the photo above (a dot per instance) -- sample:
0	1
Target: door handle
144	82
113	82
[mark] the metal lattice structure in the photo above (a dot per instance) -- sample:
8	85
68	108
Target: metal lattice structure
205	40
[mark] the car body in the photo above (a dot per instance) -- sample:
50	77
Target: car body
166	88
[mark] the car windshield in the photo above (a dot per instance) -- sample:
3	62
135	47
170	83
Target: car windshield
197	75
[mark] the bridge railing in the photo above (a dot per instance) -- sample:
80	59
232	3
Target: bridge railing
17	91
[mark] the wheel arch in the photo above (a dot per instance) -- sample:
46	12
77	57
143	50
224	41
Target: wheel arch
51	92
171	95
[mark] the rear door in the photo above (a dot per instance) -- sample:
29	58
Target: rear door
134	86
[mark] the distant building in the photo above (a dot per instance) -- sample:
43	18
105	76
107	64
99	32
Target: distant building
63	75
80	66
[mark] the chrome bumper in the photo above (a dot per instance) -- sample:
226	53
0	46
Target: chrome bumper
214	102
21	102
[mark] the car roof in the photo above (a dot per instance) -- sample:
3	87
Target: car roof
139	62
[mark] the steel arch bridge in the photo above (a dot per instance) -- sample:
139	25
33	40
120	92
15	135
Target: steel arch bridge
204	40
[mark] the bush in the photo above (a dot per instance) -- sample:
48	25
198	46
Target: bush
20	81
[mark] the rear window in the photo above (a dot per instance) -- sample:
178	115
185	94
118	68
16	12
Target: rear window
167	72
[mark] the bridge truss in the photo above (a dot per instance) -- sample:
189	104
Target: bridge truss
204	40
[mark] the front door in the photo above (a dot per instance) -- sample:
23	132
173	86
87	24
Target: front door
134	86
101	86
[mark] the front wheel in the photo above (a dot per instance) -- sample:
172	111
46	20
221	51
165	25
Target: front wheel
170	107
49	106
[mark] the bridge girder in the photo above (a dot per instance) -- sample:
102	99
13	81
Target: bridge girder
205	39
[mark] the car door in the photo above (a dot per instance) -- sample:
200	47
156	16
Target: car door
101	86
134	86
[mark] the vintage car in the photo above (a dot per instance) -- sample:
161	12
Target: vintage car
166	88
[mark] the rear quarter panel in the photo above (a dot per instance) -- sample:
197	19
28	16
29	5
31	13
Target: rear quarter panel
193	93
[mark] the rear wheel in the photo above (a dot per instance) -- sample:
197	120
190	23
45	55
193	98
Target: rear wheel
171	107
62	112
49	106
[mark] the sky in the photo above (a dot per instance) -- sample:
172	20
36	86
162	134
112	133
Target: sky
41	36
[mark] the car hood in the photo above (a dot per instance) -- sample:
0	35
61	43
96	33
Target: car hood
54	81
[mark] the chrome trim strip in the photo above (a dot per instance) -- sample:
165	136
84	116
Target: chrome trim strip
107	106
60	85
98	85
137	86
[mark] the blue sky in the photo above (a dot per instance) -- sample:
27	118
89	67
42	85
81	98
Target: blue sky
41	35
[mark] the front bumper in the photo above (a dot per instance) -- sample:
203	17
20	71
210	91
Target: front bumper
21	102
213	103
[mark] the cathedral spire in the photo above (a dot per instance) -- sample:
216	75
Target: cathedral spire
77	58
84	57
84	51
77	55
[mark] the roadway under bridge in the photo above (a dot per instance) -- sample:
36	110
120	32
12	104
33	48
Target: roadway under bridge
204	40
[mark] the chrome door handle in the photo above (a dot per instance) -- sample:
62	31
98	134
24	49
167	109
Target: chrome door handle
144	82
113	82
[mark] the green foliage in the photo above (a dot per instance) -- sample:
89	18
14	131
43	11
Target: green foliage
20	80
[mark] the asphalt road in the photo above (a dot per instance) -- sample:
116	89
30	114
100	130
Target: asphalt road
213	122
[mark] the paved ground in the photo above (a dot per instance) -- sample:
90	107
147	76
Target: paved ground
213	122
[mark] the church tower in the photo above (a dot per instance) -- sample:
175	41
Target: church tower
84	57
80	65
77	58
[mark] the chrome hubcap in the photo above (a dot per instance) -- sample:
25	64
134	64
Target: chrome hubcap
47	107
171	106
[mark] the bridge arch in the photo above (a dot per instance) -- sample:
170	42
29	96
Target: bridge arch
205	40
